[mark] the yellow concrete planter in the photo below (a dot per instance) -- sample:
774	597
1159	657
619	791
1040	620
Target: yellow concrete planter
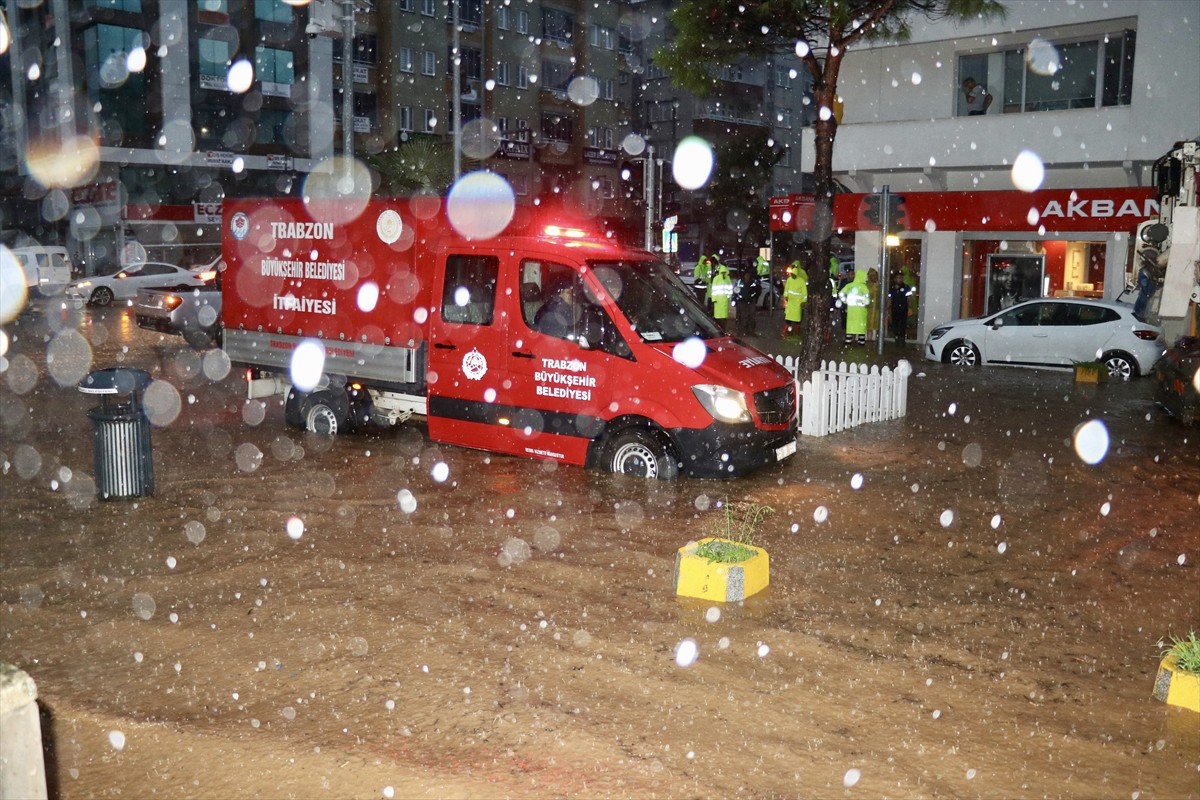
696	576
1090	373
1175	687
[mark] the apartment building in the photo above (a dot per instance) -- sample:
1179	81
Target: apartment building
1052	179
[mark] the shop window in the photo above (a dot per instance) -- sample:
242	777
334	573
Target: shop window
272	11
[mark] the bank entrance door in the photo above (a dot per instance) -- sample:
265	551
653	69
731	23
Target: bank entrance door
1012	279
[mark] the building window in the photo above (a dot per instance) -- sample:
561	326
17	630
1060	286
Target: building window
522	124
123	101
275	71
522	77
785	160
430	122
502	126
607	88
556	75
407	5
272	11
429	7
602	37
781	77
603	187
272	126
406	59
428	63
131	6
365	108
503	18
502	76
557	127
1045	76
213	61
522	22
625	39
470	12
406	118
557	25
366	47
784	117
520	185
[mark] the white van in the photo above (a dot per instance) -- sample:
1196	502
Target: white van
44	267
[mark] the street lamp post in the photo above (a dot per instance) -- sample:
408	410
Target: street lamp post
348	90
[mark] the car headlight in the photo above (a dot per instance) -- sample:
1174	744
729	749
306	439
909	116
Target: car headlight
725	404
938	333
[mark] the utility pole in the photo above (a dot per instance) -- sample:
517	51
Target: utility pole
456	79
648	193
348	94
885	213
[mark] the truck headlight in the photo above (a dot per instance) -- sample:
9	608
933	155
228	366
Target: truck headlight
725	404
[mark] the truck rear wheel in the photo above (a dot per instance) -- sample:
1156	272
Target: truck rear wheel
642	453
326	412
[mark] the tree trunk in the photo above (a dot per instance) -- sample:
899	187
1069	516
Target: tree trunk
820	295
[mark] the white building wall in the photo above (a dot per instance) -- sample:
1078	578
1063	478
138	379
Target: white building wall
900	102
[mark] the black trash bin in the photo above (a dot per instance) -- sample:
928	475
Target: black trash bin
120	433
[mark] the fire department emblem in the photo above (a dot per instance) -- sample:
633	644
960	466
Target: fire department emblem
389	226
239	225
474	365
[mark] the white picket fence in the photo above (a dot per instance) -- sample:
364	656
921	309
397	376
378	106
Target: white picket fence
841	396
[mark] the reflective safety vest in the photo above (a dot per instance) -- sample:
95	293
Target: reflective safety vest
763	266
795	295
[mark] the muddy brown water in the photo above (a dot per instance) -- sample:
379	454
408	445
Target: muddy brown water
959	605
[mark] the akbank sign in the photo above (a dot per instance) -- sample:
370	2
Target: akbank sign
1050	211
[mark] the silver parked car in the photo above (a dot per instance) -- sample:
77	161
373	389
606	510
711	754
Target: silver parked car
102	290
1052	332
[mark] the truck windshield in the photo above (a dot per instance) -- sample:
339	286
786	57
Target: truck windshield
658	305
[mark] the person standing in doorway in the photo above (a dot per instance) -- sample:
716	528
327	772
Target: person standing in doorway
977	97
898	306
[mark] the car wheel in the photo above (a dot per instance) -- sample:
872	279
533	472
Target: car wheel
642	453
101	297
1120	366
325	413
962	354
199	339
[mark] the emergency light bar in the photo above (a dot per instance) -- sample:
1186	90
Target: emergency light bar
558	232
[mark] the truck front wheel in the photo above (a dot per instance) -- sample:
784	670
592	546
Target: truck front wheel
642	453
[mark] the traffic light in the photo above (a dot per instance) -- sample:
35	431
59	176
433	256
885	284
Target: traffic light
874	212
896	213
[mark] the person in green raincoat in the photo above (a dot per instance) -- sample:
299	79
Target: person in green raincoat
721	293
856	298
795	295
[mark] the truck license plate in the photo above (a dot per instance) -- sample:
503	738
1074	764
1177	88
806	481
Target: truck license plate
788	449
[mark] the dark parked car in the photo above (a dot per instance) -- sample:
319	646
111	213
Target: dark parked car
1178	377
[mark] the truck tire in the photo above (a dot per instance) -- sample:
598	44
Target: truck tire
642	453
291	409
326	412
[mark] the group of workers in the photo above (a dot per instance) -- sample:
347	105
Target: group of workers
856	299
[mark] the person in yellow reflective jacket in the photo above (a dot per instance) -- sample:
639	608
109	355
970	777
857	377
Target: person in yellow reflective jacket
856	297
795	295
721	291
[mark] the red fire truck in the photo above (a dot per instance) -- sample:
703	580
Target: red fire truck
544	341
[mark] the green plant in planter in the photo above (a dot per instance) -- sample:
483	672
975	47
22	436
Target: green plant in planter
1186	653
734	528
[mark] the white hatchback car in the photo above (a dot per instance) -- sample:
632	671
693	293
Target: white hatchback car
1052	332
102	290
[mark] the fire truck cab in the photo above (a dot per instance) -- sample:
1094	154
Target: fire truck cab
544	341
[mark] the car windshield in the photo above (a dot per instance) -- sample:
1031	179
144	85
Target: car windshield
658	305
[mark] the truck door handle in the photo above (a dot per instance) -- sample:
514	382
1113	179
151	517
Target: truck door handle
445	346
519	354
